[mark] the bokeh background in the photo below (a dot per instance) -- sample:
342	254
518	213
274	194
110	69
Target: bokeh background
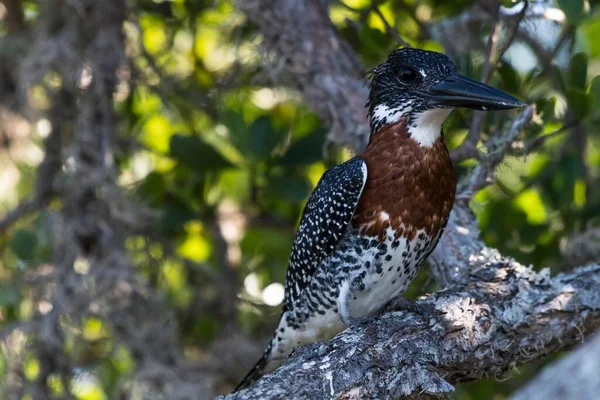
146	214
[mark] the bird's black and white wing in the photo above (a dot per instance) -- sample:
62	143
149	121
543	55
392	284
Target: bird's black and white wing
325	218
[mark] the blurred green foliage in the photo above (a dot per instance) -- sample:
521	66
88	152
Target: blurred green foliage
227	161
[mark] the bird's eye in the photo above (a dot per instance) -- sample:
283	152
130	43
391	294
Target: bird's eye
407	74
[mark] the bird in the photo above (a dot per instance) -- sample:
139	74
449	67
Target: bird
372	220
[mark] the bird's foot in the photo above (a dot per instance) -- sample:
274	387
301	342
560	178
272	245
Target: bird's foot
404	304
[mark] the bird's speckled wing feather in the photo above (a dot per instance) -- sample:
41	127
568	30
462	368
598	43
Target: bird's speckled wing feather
325	218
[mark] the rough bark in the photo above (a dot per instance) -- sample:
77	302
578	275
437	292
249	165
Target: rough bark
501	315
580	366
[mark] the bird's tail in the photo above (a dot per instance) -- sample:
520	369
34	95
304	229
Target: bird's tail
257	371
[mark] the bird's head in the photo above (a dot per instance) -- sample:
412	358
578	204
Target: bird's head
422	87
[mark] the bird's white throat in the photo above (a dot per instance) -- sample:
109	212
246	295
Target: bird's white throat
425	127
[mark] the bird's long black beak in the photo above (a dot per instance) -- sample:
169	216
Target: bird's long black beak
460	91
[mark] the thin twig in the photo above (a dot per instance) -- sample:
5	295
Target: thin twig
389	29
468	149
167	85
513	33
491	47
498	147
25	208
545	57
412	12
539	141
465	151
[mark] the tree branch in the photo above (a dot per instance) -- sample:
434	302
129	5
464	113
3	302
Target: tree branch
537	142
468	148
457	33
573	377
497	149
502	315
23	209
388	28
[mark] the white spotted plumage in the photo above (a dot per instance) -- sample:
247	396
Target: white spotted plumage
369	277
400	264
425	127
382	114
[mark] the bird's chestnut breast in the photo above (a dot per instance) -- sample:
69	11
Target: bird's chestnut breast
409	187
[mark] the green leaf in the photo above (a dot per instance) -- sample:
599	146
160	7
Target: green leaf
235	184
573	10
23	244
174	216
594	92
532	205
238	132
563	181
9	294
579	103
367	37
545	107
587	36
205	328
306	150
153	187
291	187
560	80
510	77
196	154
270	248
578	71
263	138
